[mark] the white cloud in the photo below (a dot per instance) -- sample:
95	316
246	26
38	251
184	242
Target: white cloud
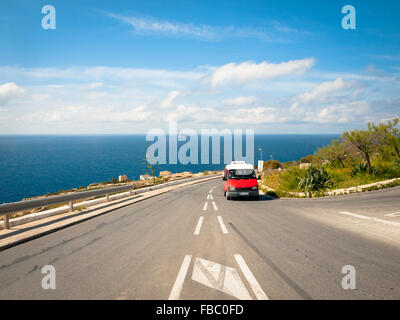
154	26
233	73
287	29
257	115
81	113
167	102
341	113
239	101
100	74
90	99
195	114
328	101
386	56
250	116
40	97
325	89
95	85
93	95
9	90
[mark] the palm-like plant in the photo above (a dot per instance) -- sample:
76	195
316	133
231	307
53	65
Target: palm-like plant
316	180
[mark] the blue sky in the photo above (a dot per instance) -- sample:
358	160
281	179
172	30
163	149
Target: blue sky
128	66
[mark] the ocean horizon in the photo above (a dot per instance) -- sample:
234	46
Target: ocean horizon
33	165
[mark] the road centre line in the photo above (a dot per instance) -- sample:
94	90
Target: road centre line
254	285
215	206
396	224
198	226
205	206
180	278
222	225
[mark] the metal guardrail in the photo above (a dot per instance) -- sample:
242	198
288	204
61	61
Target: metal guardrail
7	208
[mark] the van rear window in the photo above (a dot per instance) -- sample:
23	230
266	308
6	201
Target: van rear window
242	174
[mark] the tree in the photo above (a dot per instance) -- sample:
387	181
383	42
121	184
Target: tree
272	164
388	135
151	166
307	159
335	152
363	141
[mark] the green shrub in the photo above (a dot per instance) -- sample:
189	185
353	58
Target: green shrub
386	170
290	178
307	159
272	164
316	181
362	168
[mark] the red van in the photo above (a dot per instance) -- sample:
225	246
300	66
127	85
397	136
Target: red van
240	180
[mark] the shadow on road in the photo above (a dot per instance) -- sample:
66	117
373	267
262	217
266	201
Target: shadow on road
262	197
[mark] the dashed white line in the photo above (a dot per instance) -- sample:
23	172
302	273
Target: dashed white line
198	226
255	286
222	225
205	206
215	206
178	285
396	224
209	196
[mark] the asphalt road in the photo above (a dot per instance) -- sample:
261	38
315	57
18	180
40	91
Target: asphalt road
175	246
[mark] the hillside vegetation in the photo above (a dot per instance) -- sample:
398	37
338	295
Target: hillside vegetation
359	157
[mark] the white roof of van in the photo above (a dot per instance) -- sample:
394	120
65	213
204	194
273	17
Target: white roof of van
239	165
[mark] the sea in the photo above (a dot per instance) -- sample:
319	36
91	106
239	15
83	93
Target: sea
39	164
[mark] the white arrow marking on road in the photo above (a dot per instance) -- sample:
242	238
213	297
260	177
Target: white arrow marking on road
255	286
219	277
396	224
222	225
205	206
178	285
198	227
394	214
215	206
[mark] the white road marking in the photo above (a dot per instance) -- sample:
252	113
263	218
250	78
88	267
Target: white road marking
394	214
209	196
178	285
219	277
205	206
211	190
198	227
222	225
255	286
396	224
215	206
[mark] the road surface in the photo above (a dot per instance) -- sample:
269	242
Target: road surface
192	243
